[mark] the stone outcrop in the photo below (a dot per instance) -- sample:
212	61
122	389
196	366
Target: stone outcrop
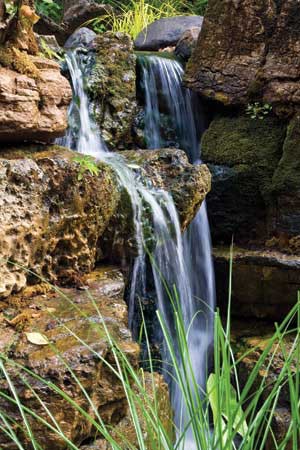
249	50
265	283
33	106
165	32
50	222
79	353
112	86
58	226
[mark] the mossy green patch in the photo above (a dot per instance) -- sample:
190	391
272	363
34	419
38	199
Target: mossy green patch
247	145
287	176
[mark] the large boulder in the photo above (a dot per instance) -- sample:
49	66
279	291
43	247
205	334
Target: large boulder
248	50
79	360
165	32
57	224
50	222
112	86
243	155
33	100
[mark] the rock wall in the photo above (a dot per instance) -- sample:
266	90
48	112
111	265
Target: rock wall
249	50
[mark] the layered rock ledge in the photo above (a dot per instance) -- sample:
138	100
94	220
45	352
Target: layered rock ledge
265	283
33	107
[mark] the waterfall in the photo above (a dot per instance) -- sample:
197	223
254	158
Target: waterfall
181	262
164	95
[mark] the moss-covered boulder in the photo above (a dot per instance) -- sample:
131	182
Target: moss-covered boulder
112	86
242	154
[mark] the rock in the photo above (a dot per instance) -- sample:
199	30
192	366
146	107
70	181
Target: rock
73	323
83	11
243	155
168	169
125	428
82	37
112	86
265	283
58	227
48	42
248	51
50	222
33	107
46	26
165	32
286	183
187	43
249	341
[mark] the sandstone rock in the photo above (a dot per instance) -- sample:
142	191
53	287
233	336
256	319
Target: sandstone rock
80	349
248	51
187	43
50	222
33	109
265	283
165	32
112	87
80	38
243	155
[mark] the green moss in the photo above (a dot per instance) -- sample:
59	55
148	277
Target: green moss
253	146
13	58
287	176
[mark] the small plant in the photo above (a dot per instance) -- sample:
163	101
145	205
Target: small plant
86	164
258	110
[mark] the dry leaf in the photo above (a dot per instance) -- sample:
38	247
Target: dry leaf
37	338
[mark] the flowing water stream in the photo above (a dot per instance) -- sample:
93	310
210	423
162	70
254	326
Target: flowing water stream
184	262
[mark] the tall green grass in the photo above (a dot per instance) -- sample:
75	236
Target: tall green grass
134	16
229	416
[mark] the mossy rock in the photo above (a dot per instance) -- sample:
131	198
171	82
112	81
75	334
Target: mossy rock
243	154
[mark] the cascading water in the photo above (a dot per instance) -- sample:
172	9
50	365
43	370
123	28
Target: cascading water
174	257
165	96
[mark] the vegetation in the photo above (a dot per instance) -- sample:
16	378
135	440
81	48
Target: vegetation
242	415
49	8
86	164
258	111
